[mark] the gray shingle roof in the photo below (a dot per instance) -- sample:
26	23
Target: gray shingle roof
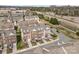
6	25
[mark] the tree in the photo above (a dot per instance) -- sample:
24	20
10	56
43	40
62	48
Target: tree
77	33
54	21
40	16
34	13
46	18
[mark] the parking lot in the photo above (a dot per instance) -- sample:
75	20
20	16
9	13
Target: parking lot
64	45
69	48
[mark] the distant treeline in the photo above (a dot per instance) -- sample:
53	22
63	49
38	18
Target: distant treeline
62	10
59	10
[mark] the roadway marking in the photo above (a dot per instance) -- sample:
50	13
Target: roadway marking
63	48
46	50
63	42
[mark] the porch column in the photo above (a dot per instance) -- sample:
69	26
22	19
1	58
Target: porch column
44	32
14	48
29	40
15	23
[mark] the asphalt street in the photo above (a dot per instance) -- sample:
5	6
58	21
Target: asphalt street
64	45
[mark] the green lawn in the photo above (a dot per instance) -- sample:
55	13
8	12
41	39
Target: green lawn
20	44
47	40
54	36
33	43
40	41
68	33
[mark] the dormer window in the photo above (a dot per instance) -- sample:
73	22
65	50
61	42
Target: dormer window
27	30
41	28
8	20
11	34
34	29
47	28
24	31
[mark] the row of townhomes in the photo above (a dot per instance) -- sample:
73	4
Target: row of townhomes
31	29
7	33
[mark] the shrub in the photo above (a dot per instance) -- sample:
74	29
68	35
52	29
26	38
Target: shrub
77	33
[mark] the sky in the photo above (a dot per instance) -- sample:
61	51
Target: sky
39	2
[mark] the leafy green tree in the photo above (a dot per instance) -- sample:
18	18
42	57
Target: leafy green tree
18	36
77	33
34	13
54	21
41	16
46	18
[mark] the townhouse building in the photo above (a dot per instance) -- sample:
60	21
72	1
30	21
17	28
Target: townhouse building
33	30
7	35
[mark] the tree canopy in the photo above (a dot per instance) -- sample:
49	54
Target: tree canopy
54	21
77	33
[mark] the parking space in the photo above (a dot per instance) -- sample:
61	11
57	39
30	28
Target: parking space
73	49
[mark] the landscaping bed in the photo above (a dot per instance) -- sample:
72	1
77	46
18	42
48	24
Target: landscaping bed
54	36
33	43
47	40
40	41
